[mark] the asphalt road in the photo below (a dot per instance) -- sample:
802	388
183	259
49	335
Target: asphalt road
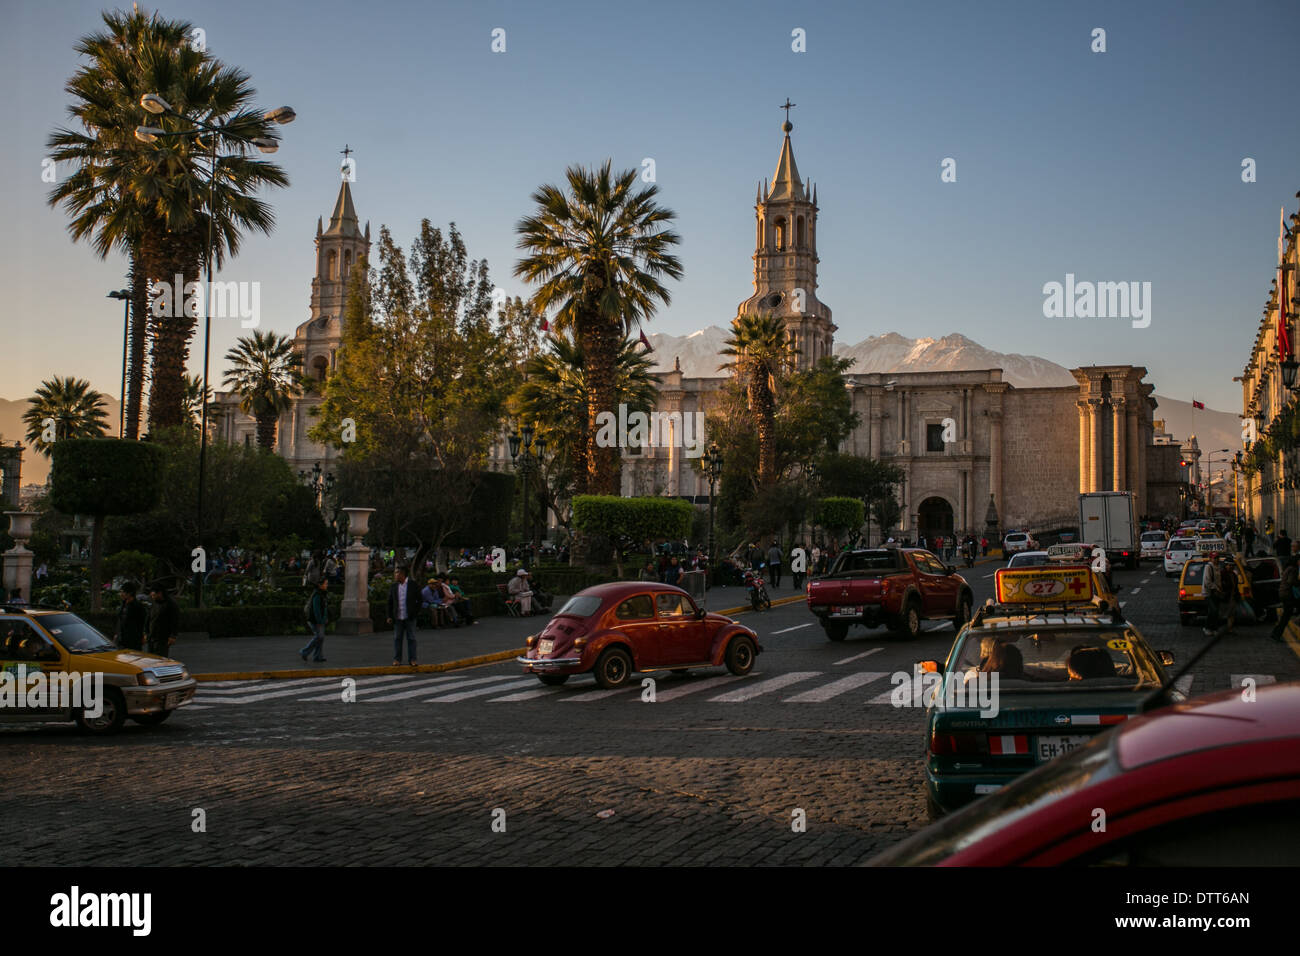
485	766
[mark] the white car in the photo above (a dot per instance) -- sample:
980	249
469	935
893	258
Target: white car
1154	544
1018	541
1177	552
1028	559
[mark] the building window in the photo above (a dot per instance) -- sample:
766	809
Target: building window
780	235
332	265
934	438
347	263
800	239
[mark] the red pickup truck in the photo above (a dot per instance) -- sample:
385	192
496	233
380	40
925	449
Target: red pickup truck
900	587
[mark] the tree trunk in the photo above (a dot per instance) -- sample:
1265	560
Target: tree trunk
766	421
96	563
135	369
171	333
266	425
601	349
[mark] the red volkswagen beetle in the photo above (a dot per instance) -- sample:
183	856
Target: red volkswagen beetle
1213	781
614	629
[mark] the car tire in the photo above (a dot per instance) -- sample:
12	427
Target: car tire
964	605
153	719
908	624
552	680
613	668
836	630
740	655
111	717
932	809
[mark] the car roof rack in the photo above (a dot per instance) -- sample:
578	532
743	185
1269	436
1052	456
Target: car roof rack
992	609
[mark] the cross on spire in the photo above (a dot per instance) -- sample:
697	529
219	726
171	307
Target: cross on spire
787	106
348	150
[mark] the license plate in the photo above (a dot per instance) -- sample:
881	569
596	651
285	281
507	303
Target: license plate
845	611
1049	748
545	647
171	701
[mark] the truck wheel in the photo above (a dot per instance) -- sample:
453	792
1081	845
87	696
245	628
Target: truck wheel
909	620
836	630
740	655
111	717
963	612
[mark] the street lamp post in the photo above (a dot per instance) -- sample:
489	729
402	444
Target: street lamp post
156	105
1209	477
522	457
712	459
125	296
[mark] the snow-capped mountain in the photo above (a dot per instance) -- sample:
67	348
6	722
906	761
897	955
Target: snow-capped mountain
891	352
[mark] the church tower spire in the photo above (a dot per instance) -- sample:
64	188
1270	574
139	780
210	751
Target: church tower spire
785	258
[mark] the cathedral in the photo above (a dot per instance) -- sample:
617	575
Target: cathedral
972	448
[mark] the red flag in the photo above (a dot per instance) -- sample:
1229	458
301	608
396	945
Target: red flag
546	326
1196	404
646	342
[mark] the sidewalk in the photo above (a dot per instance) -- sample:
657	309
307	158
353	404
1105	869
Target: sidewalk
492	639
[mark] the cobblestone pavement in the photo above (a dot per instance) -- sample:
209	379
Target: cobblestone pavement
714	772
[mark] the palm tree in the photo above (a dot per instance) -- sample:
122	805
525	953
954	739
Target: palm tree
192	400
76	408
555	395
264	373
152	199
598	253
760	353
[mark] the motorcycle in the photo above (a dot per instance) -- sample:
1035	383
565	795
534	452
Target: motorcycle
756	588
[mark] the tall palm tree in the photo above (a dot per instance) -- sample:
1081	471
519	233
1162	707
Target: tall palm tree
76	408
598	253
760	353
193	399
152	199
555	394
265	373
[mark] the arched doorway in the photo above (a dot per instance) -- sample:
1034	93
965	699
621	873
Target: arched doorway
934	518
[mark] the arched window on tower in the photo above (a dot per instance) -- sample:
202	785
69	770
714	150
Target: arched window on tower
780	235
758	233
332	265
800	237
319	367
347	262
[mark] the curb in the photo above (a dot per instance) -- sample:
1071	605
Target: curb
492	658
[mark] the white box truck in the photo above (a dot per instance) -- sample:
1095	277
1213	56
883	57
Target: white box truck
1107	521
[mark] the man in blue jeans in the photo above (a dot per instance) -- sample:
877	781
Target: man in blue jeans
403	608
317	619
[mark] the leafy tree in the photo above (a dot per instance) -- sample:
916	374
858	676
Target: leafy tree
597	253
151	199
632	520
77	410
424	374
100	477
870	480
886	511
264	372
760	354
839	516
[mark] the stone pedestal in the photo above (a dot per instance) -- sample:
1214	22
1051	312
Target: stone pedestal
18	560
355	616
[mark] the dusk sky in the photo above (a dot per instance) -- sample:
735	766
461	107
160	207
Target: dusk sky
1116	166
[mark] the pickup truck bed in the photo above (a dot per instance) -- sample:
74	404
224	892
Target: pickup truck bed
898	587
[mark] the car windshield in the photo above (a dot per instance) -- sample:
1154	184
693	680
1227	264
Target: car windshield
76	635
853	562
1056	659
1153	536
580	605
1182	544
1029	559
1195	572
997	811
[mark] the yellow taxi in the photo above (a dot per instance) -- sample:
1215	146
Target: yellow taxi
56	667
1191	591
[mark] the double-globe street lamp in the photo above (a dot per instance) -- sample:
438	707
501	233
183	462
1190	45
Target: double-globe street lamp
712	464
525	462
158	106
125	296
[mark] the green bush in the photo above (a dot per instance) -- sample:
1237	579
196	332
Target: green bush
839	515
640	519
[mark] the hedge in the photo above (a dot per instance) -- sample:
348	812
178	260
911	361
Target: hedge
640	519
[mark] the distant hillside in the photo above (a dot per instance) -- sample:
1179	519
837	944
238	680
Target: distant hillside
1213	429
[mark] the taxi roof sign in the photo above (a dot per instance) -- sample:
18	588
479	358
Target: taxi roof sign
1075	552
1211	544
1044	585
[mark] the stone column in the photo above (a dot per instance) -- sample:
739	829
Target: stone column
1085	448
1134	458
355	616
1095	458
874	419
1118	470
18	560
963	518
995	460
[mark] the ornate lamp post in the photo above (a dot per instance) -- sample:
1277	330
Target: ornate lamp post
125	296
712	459
525	463
321	483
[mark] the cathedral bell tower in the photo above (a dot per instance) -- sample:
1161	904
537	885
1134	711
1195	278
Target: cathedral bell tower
785	258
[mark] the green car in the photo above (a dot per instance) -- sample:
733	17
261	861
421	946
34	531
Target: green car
1023	684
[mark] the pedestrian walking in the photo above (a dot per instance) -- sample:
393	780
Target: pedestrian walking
1232	600
403	609
131	619
1282	545
1212	587
1289	592
774	557
318	611
164	620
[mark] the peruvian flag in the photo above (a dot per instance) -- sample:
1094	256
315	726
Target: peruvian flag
546	326
1196	404
1283	340
646	342
1005	744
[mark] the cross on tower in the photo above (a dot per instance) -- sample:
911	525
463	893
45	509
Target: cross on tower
787	106
348	150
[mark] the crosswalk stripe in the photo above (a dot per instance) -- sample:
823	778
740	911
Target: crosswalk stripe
855	657
835	688
269	695
397	682
1135	591
756	689
254	686
591	695
478	692
786	630
529	694
693	686
1260	679
425	689
1184	684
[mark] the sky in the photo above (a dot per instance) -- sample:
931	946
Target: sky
1123	165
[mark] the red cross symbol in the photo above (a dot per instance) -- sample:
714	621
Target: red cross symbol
1077	585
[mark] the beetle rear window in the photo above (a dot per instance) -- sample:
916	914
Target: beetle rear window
580	606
